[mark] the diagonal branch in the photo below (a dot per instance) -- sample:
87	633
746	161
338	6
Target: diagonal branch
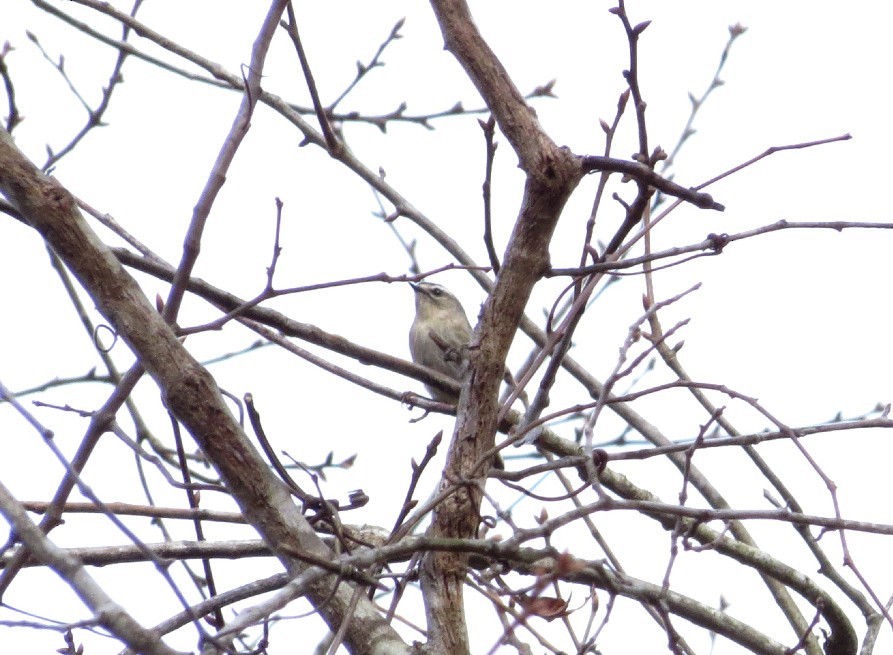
108	613
188	389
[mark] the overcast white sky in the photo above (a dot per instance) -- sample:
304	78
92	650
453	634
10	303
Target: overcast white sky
799	319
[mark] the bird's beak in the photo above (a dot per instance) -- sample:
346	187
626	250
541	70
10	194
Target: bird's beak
414	285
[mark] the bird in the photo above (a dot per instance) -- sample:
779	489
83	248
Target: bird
439	337
439	334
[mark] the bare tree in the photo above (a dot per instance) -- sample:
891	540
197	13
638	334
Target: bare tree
488	579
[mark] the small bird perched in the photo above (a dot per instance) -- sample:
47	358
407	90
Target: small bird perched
438	334
438	338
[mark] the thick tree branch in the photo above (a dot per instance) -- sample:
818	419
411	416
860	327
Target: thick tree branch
552	174
188	389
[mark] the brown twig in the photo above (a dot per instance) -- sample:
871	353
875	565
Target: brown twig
610	132
333	142
645	175
488	128
192	498
13	117
771	151
688	130
94	116
365	69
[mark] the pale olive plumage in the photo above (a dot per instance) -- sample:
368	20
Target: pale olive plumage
438	334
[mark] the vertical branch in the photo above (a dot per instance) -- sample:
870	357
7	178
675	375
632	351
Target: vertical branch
552	174
610	131
13	115
635	210
488	128
632	74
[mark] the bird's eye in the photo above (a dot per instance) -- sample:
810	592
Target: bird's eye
437	292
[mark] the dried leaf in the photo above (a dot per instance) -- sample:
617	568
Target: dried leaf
544	607
543	516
